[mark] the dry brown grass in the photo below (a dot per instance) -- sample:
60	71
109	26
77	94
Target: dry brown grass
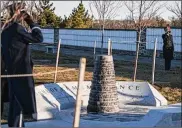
170	85
171	90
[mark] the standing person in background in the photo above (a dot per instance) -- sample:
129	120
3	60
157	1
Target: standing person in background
16	53
168	47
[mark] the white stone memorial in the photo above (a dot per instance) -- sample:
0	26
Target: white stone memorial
165	116
51	98
55	103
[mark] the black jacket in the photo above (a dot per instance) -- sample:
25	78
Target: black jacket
168	50
15	49
4	86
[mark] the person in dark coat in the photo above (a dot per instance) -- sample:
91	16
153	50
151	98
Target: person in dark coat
168	47
15	49
4	82
4	86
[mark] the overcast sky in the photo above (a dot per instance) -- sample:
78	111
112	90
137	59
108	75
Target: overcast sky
65	8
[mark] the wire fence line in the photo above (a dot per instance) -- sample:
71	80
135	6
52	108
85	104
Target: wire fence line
116	45
37	74
123	39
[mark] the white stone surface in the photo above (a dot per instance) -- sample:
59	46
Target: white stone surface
166	116
163	116
51	98
139	93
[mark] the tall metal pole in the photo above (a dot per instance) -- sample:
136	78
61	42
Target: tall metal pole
78	97
153	64
57	60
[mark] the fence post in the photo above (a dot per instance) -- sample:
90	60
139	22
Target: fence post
95	44
56	35
21	119
153	63
78	96
109	46
57	60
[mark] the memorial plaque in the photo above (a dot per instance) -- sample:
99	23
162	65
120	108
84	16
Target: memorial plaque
51	98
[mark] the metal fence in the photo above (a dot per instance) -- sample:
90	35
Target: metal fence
121	39
48	35
153	33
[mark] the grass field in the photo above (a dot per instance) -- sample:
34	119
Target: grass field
168	82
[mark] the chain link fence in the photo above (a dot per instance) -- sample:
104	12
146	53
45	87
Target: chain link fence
123	41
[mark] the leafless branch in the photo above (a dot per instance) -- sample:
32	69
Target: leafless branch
31	7
141	12
105	9
176	9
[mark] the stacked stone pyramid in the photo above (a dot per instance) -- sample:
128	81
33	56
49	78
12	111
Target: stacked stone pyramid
103	95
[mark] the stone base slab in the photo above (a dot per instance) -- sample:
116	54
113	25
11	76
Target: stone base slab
128	116
61	96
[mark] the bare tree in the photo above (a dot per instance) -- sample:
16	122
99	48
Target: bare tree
4	4
176	9
34	9
106	10
141	12
5	11
31	7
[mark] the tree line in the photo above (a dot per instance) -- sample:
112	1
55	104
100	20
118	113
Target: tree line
80	18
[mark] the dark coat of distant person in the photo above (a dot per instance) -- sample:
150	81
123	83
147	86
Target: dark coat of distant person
168	46
15	48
